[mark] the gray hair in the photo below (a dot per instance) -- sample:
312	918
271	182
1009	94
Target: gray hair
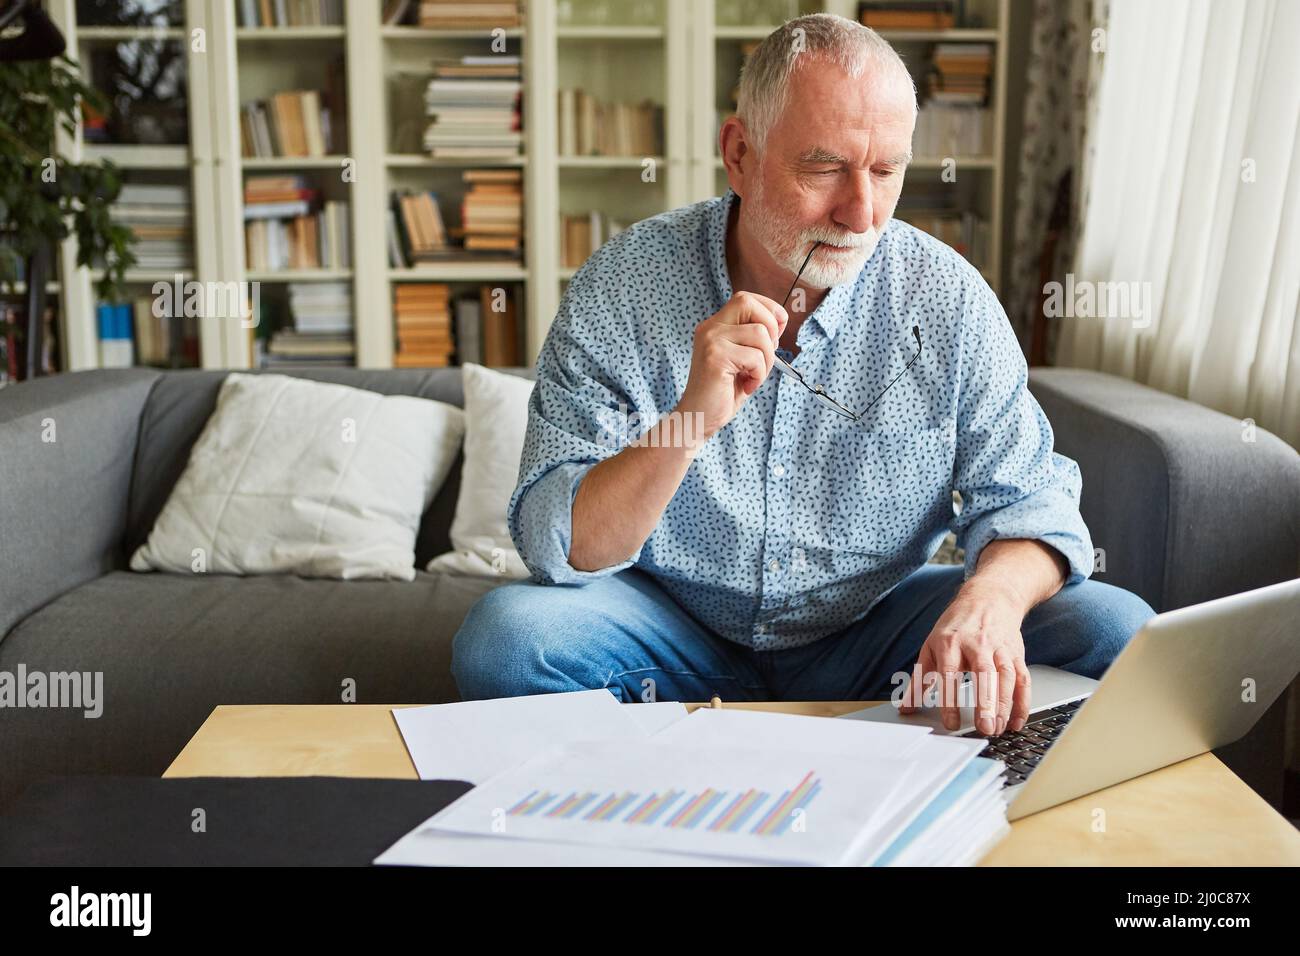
765	78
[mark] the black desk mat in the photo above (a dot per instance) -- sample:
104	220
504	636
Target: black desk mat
247	821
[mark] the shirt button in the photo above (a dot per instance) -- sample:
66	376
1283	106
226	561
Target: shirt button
774	565
778	470
760	628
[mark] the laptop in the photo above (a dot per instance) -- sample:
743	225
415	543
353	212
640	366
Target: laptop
1189	681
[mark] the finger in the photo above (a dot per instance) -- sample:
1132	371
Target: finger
920	673
749	365
1022	697
754	337
778	310
986	694
751	308
910	698
948	663
1005	661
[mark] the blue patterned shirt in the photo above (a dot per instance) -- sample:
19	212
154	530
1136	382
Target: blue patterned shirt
793	521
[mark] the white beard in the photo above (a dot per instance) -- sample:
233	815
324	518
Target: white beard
788	245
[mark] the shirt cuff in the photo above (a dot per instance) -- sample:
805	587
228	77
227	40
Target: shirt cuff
1015	521
543	527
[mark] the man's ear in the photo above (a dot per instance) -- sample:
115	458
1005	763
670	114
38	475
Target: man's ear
737	156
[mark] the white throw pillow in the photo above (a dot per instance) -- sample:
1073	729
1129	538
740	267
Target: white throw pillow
302	477
496	417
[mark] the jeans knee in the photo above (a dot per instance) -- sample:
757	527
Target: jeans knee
506	645
1119	615
1084	627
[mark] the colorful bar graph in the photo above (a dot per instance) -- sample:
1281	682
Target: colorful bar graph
780	814
719	811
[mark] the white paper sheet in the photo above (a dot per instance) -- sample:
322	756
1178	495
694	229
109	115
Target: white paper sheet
803	808
475	739
656	716
722	728
935	764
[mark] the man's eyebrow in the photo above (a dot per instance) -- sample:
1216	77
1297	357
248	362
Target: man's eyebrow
817	155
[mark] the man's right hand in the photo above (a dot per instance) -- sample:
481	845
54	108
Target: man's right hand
734	351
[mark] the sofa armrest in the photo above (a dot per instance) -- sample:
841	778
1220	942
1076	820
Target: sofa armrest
67	444
1183	506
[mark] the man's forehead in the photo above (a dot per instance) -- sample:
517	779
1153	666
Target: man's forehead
881	89
845	115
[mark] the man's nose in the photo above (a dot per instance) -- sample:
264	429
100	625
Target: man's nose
854	209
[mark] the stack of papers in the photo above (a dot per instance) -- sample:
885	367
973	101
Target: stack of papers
580	779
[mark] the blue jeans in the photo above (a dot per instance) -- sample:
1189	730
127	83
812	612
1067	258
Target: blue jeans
625	634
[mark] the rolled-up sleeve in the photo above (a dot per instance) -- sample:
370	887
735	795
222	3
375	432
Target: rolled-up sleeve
577	417
1012	483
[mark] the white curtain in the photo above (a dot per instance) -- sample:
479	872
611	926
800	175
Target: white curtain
1192	195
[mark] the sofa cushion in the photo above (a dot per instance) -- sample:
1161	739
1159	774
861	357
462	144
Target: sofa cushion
181	402
310	478
496	420
173	647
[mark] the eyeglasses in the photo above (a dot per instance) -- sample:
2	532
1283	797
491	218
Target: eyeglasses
818	392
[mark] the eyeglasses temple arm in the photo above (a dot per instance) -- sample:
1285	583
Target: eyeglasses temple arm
916	332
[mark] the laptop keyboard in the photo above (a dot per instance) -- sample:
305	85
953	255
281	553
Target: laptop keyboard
1021	750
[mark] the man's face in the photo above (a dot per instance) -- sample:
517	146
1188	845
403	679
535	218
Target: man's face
831	170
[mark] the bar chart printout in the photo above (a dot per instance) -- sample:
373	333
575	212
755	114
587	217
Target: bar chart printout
782	806
752	811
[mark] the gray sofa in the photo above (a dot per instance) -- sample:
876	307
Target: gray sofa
1184	510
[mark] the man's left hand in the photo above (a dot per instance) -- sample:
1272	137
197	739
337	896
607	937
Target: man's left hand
979	632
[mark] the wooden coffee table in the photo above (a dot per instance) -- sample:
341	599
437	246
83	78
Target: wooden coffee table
1196	812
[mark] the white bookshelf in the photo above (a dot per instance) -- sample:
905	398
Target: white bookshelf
193	163
685	60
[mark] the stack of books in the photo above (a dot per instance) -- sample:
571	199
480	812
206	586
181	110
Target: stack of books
590	127
291	123
908	14
954	120
322	327
159	216
285	227
416	233
474	107
960	72
423	326
492	213
582	235
290	13
469	14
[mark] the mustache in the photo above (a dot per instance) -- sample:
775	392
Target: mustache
850	240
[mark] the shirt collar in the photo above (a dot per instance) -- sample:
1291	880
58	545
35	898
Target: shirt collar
829	316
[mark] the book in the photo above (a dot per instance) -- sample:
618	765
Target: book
294	122
499	328
422	325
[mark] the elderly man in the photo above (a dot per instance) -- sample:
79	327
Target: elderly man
809	380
